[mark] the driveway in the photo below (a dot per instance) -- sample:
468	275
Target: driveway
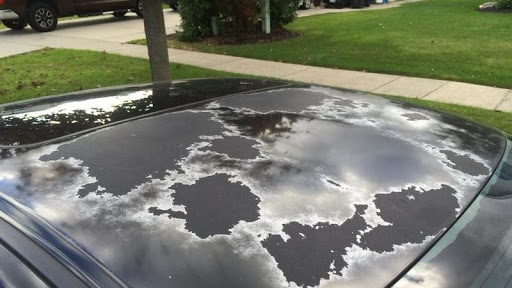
95	33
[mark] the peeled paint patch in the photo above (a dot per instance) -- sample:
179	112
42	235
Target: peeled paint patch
214	205
333	183
121	167
413	215
465	164
170	212
312	252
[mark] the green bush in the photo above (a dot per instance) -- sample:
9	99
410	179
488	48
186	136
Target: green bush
504	4
236	16
283	12
196	19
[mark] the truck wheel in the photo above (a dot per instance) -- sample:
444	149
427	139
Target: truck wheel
42	17
15	24
306	4
174	6
138	9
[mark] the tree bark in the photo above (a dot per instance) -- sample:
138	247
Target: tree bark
156	39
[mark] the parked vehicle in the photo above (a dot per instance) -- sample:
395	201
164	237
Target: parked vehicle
346	3
305	4
336	3
173	4
43	15
249	183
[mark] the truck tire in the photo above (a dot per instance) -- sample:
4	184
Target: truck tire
174	6
42	17
15	24
138	9
306	4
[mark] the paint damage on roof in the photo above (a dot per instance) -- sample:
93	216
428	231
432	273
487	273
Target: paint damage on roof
291	187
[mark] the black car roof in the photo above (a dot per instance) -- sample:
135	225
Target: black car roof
38	121
292	185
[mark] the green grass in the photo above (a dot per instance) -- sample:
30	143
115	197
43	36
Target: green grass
53	71
444	39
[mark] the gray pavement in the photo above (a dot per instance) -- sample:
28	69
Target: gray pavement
107	33
100	33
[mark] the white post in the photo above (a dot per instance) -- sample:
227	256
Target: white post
266	19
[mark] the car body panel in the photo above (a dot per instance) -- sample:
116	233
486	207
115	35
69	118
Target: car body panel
295	185
8	15
174	4
86	6
14	273
69	7
49	254
16	6
478	246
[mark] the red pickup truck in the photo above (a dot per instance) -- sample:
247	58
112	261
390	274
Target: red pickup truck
42	15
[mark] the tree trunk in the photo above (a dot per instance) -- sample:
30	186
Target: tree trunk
156	38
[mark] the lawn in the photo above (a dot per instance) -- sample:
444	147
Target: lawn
54	71
443	39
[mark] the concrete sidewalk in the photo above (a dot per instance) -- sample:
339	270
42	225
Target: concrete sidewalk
429	89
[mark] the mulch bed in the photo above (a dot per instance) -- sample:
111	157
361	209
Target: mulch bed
278	34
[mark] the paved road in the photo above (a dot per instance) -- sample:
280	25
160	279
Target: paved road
107	33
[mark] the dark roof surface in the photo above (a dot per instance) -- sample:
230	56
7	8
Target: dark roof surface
43	119
301	186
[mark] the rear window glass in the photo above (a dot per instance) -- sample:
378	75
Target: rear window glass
41	120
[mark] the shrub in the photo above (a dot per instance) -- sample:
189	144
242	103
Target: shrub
196	19
236	16
283	12
504	4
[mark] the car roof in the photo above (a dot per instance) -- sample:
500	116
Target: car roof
282	185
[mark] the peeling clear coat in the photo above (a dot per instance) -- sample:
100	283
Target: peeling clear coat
307	163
